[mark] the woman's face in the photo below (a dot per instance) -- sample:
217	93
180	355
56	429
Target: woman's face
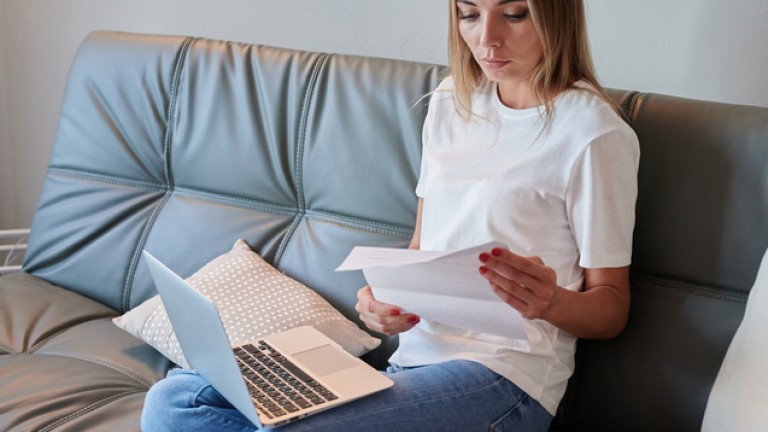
502	38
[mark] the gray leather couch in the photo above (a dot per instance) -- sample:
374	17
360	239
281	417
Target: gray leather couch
183	145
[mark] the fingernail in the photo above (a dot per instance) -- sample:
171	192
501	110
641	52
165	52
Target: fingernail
484	257
483	269
496	252
395	312
414	320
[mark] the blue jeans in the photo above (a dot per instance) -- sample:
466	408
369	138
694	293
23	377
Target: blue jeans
451	396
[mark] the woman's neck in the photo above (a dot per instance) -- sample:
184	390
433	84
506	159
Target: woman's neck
518	95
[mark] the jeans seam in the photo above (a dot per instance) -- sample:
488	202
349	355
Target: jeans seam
216	410
383	409
495	424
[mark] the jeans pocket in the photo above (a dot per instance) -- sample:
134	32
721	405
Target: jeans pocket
527	416
507	422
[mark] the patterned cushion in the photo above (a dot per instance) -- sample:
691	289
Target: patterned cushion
254	299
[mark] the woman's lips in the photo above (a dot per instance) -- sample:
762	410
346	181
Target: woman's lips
492	63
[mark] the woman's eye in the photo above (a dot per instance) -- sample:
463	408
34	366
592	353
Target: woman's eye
467	15
516	16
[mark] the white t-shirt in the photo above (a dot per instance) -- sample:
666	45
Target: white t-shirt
565	193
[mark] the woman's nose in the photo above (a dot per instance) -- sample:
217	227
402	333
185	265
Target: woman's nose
490	36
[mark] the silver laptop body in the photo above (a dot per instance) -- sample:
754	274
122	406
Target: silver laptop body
317	372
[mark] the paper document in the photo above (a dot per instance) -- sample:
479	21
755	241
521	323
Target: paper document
445	287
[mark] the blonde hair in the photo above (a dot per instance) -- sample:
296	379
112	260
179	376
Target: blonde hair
562	29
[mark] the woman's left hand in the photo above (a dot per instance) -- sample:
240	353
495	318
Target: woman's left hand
525	283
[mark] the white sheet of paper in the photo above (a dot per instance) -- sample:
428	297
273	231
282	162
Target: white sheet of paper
440	286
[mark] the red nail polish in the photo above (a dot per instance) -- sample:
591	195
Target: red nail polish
496	252
484	257
483	269
395	312
414	320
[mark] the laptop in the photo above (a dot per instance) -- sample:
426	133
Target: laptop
273	380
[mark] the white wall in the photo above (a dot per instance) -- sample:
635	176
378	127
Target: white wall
41	37
704	49
6	188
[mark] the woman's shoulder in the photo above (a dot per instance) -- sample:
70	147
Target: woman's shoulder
583	105
442	93
583	95
445	84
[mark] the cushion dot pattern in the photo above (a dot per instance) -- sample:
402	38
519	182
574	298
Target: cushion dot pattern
245	283
254	299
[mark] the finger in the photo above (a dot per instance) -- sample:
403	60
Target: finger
503	273
383	317
509	286
520	298
531	301
510	299
530	265
390	325
367	303
527	271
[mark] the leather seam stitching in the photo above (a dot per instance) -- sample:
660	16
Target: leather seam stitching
7	348
363	224
113	366
33	348
156	187
168	141
299	163
85	410
704	290
240	202
106	178
236	201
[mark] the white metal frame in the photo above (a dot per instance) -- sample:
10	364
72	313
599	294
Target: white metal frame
13	245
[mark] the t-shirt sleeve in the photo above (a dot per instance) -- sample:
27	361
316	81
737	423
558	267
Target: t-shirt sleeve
601	199
421	186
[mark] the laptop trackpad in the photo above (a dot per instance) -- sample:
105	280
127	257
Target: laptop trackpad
325	360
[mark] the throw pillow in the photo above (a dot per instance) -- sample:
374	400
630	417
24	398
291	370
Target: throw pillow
254	299
739	397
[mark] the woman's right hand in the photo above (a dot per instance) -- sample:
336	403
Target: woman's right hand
382	317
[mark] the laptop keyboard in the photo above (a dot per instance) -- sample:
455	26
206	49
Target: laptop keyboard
276	385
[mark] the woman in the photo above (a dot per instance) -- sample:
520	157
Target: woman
522	146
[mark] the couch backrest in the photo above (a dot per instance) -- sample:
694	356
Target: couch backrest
701	230
183	145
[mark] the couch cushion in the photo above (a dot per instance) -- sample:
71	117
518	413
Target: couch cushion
65	366
739	397
254	300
